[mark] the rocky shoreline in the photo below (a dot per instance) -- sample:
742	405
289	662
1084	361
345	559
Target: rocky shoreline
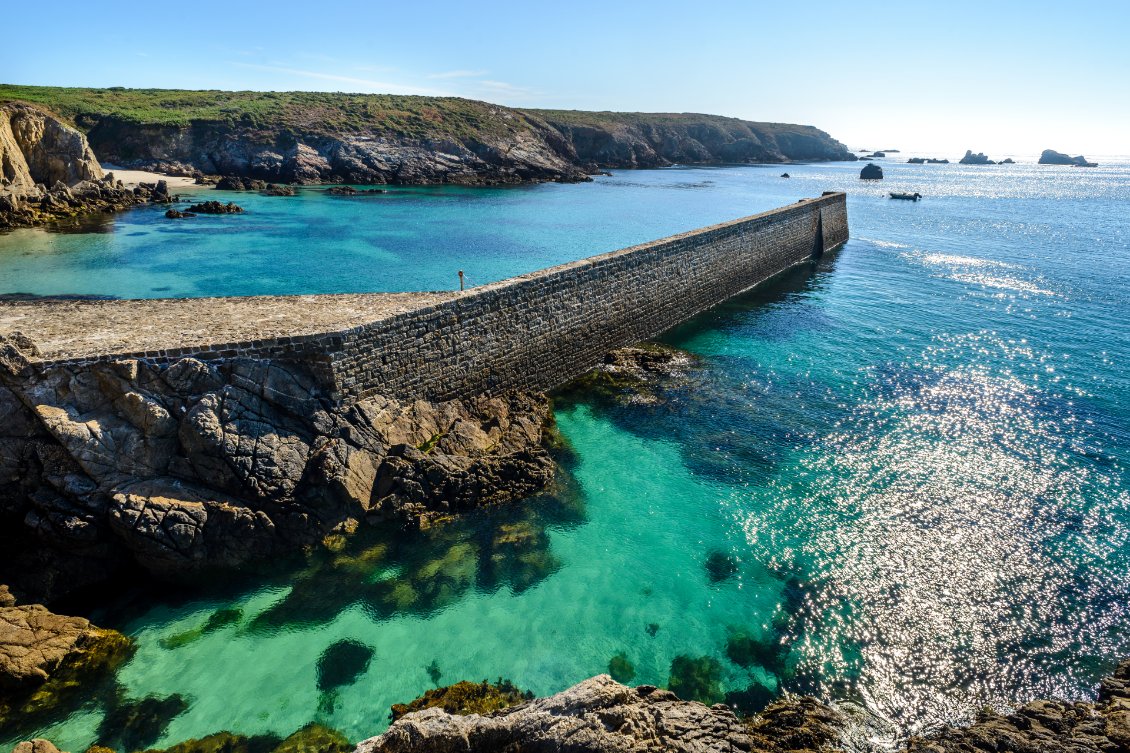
193	466
49	173
600	715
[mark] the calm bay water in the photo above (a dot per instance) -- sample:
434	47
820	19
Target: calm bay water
898	476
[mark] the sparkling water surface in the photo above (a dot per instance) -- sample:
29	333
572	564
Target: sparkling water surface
896	477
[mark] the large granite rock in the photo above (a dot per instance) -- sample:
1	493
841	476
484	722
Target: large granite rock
45	657
600	715
37	148
1052	157
195	466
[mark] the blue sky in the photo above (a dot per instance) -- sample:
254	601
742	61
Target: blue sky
1002	77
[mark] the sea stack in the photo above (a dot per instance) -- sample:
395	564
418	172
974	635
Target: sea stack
871	171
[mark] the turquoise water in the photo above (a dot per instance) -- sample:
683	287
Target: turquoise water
898	476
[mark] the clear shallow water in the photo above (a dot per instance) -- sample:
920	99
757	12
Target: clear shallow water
913	454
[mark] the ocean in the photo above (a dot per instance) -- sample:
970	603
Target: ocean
896	476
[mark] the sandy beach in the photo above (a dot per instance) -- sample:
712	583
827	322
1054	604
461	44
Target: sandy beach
133	177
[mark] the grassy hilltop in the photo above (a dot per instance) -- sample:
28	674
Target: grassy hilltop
314	112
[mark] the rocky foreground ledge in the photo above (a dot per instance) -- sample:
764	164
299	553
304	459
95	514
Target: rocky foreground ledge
602	716
189	467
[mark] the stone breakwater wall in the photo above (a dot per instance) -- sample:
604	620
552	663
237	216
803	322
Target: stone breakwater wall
540	330
535	331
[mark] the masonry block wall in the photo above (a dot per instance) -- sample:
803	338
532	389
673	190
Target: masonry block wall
539	330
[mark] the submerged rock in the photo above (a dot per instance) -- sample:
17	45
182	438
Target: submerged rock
342	663
720	567
132	725
621	669
466	698
696	678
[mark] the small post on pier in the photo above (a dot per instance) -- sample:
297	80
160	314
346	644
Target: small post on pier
461	280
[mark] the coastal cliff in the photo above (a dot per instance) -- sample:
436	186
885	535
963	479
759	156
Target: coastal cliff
310	137
48	172
36	148
628	140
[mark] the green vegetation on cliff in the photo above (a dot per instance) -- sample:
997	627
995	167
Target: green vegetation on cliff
310	112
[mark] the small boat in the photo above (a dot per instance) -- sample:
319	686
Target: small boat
906	196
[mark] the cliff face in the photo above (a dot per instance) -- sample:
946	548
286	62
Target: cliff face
287	154
607	139
311	137
36	147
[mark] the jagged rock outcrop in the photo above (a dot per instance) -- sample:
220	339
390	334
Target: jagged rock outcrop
195	466
1046	726
975	159
215	207
37	148
637	375
600	715
61	202
48	172
1052	157
45	657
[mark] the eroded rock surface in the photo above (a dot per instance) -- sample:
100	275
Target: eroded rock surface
48	172
44	656
1046	726
192	465
600	715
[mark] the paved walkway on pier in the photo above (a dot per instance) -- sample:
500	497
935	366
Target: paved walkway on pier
65	329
